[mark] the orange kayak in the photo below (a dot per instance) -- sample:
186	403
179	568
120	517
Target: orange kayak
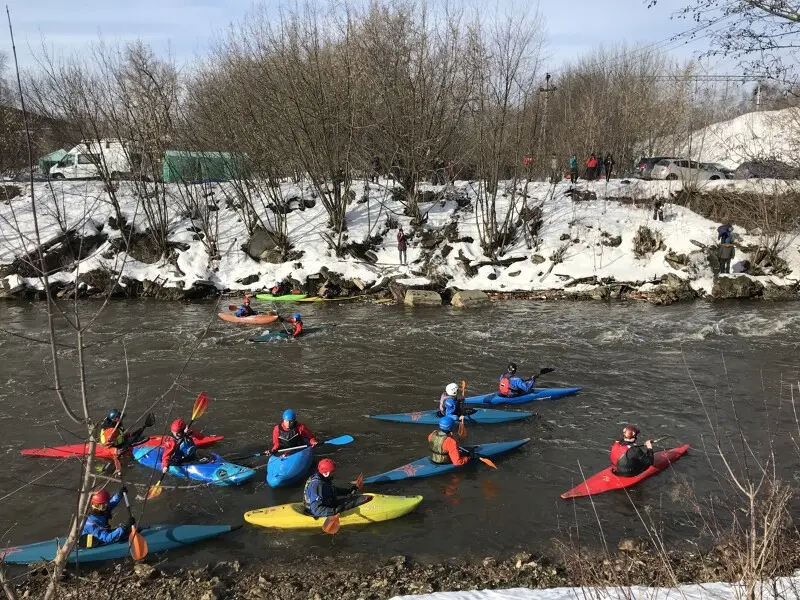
251	320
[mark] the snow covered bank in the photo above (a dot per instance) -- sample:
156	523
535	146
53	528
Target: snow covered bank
585	241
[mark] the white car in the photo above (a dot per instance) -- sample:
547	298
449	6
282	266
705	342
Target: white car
683	169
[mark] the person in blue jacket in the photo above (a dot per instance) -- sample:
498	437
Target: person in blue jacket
323	499
512	385
97	529
245	310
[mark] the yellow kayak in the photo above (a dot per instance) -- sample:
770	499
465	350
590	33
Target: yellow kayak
318	299
292	516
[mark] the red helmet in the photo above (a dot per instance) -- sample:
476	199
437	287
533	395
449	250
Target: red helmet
326	465
630	431
246	300
177	426
100	497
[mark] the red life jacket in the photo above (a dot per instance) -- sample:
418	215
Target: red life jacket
505	385
618	450
298	328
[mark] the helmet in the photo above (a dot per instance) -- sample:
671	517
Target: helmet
451	389
100	497
297	317
113	415
446	424
288	415
177	426
512	367
630	431
326	465
246	300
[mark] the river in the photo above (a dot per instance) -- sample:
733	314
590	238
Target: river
633	361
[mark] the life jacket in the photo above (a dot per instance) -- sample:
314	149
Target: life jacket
328	492
94	522
298	328
439	455
619	457
452	407
505	385
289	438
112	437
185	449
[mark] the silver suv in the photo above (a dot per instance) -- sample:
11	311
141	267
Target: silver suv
683	169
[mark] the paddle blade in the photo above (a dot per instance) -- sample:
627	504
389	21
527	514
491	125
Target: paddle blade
200	405
138	545
463	388
117	465
233	307
546	370
487	462
332	525
155	491
360	482
340	441
462	429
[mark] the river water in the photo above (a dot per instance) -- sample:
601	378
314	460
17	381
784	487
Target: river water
637	363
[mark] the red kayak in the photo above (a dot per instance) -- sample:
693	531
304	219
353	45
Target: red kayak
606	481
200	440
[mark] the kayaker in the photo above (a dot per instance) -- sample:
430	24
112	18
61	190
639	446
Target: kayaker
444	449
245	310
512	385
297	321
627	458
113	434
97	529
179	446
322	499
450	405
290	434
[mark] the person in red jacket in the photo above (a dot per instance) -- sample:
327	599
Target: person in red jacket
178	447
444	448
627	458
290	434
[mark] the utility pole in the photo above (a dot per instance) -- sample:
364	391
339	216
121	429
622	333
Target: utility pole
543	132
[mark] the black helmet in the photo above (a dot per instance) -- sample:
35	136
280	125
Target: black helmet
512	367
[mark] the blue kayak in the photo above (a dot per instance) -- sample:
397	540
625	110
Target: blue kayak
431	417
425	468
288	469
159	538
215	470
541	394
274	336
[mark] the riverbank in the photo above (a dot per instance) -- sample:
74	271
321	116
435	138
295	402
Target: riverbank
594	240
354	577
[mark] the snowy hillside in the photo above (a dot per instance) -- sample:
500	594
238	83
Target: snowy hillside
760	135
578	244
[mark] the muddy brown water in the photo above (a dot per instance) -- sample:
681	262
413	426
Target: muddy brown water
633	361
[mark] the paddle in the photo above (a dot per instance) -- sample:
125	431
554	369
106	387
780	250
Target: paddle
483	459
333	523
342	440
200	406
462	429
136	540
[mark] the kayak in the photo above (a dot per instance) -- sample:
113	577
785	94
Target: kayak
540	394
289	468
285	298
159	539
318	299
214	470
293	516
605	480
274	336
425	468
251	320
431	417
200	441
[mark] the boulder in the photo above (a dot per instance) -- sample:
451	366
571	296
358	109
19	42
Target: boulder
736	286
676	261
422	298
469	299
779	292
538	259
672	289
260	242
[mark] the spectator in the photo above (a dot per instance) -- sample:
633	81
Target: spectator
598	170
375	165
554	175
591	167
608	163
573	168
402	245
658	210
726	248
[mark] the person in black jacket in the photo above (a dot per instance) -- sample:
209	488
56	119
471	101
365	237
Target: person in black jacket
608	164
628	459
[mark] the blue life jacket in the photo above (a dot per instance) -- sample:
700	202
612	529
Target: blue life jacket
451	407
185	450
319	496
97	532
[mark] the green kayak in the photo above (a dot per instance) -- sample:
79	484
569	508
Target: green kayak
286	298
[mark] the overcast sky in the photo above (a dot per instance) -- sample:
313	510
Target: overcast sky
185	27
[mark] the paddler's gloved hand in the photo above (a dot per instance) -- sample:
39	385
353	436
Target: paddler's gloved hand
131	522
123	490
354	489
473	454
150	420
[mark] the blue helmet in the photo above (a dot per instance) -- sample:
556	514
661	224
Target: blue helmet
288	415
446	424
297	317
113	415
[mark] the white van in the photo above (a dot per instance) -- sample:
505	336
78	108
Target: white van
90	159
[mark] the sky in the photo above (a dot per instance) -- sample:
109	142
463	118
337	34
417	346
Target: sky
184	28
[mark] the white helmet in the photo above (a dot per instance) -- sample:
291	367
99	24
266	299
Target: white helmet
451	389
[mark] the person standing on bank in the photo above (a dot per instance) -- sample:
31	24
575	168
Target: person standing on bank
402	245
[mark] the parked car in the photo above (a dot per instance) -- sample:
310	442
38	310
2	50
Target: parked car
684	169
644	166
718	167
766	169
91	158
